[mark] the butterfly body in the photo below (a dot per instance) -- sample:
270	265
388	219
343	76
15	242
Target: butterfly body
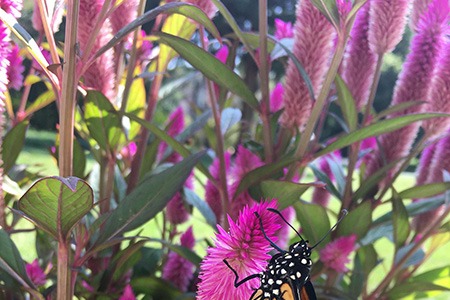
286	274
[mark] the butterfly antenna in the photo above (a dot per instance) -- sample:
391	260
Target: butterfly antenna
285	221
344	213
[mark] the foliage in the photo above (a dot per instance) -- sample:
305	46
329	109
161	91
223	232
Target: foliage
119	228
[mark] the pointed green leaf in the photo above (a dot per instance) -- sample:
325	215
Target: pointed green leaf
202	206
362	216
410	288
42	101
11	261
376	129
102	120
425	191
328	8
347	103
230	116
147	199
13	144
329	184
56	204
400	221
314	221
210	66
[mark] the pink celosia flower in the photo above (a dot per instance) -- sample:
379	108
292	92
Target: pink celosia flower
124	14
101	74
177	210
35	273
418	9
439	96
212	195
414	82
344	7
320	195
276	98
12	7
87	286
425	163
178	270
283	29
313	42
55	11
335	254
367	148
127	294
245	249
359	62
15	68
387	24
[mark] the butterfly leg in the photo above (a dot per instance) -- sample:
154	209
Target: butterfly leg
236	279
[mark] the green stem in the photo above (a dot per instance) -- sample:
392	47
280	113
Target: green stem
264	81
319	104
64	282
68	91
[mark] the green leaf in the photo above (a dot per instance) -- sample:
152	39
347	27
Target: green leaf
126	259
314	221
362	216
56	204
136	105
147	199
257	175
210	66
347	103
149	263
102	120
173	143
188	10
202	206
396	108
286	192
79	159
252	39
328	8
376	129
412	260
229	117
440	276
42	101
329	184
409	288
13	144
11	261
425	191
400	221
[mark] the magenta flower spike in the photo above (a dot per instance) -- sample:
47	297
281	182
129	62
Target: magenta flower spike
439	96
4	64
419	7
414	82
35	273
56	12
283	29
335	255
128	293
387	24
245	249
313	44
359	62
15	68
178	270
425	162
276	98
101	74
123	15
12	7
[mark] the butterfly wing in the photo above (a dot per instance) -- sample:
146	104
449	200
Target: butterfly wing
307	292
257	295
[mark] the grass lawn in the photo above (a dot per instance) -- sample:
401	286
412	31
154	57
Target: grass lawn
37	157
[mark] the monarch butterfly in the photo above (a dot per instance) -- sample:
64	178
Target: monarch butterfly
287	274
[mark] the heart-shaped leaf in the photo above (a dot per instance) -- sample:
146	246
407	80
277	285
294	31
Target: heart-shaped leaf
56	204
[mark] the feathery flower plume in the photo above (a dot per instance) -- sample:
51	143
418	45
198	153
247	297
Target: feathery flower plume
178	270
413	83
359	62
440	162
283	29
177	211
123	15
245	162
101	74
128	294
313	42
344	7
15	68
212	195
439	96
12	7
320	195
276	98
335	254
419	7
387	24
245	249
35	273
425	162
56	11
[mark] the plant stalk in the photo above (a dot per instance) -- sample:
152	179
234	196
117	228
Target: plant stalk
64	291
264	81
68	91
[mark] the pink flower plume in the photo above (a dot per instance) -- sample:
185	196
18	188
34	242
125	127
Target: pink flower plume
178	270
15	68
387	24
283	29
128	294
418	9
245	249
423	170
123	15
36	273
313	42
276	98
335	254
359	62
